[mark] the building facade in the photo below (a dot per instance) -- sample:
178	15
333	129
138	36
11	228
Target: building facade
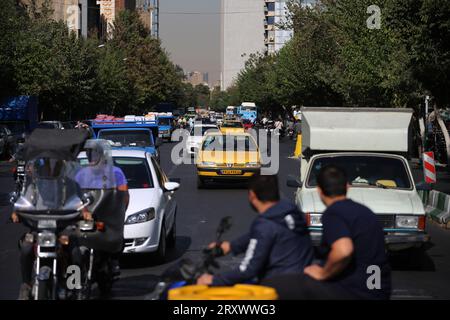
249	27
242	34
275	32
95	17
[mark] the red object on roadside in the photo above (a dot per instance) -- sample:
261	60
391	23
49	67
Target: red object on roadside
429	167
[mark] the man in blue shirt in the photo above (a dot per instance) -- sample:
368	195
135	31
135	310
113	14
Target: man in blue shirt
356	266
278	241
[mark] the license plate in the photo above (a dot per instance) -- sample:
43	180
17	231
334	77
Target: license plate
47	224
231	171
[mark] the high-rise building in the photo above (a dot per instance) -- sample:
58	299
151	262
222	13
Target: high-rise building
242	33
275	32
248	27
195	78
95	17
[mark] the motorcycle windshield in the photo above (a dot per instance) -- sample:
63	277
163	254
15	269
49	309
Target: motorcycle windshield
50	186
97	169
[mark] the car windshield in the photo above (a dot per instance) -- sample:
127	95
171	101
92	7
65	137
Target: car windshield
164	121
232	125
366	171
124	138
229	143
200	131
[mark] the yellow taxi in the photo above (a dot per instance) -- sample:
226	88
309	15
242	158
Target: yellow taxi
232	126
227	157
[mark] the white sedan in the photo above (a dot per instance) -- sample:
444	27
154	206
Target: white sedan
150	220
195	138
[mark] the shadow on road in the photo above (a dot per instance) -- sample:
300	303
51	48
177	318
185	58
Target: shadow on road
134	287
145	260
411	260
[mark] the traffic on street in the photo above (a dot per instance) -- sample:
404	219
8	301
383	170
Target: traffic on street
290	150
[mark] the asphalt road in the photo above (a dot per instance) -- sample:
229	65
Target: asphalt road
198	216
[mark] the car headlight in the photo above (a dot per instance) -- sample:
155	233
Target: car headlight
314	219
46	239
406	221
141	217
252	164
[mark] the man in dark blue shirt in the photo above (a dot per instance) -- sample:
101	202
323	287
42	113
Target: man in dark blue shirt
356	265
278	241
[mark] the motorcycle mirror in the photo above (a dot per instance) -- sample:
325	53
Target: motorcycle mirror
224	226
13	196
88	198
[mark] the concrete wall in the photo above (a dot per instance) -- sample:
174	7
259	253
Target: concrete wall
242	33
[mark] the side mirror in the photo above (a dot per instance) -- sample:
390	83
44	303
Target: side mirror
422	186
171	186
293	182
158	142
177	180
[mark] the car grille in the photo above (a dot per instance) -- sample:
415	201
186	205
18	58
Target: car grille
387	220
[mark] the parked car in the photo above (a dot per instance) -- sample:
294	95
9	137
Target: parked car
50	125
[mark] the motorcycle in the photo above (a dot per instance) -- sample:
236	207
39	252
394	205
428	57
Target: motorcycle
187	271
51	205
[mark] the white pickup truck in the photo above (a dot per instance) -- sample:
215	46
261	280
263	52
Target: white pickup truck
371	146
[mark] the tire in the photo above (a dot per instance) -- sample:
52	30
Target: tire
200	183
160	255
172	237
44	290
104	286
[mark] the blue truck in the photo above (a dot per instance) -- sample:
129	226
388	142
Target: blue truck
19	114
248	111
129	133
165	125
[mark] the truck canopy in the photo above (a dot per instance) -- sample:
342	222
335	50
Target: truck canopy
355	129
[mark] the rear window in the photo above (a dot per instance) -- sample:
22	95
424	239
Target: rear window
136	171
202	130
232	125
127	138
229	143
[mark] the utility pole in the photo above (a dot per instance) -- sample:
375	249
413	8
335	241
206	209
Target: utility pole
425	144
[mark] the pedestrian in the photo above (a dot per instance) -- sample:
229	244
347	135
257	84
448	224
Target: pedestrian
278	241
356	266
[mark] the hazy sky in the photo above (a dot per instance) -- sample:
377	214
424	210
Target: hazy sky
190	32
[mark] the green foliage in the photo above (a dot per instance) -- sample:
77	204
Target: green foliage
76	77
334	59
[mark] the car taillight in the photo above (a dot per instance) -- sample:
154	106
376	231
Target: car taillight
422	223
100	226
308	219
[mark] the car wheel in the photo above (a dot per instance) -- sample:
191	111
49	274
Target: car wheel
161	253
200	183
172	238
